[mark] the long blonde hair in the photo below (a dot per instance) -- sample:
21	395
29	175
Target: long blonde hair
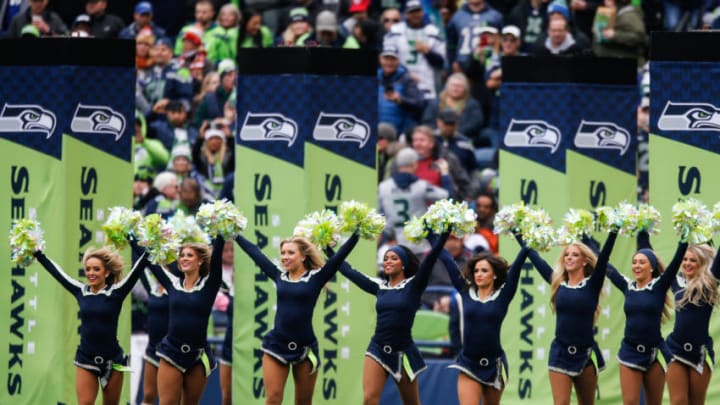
313	257
112	261
702	288
218	156
560	275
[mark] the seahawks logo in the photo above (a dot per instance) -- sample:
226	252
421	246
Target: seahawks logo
27	118
602	135
97	119
268	127
689	117
342	128
532	134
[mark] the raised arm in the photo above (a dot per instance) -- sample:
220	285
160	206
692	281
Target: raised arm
672	269
335	261
643	240
450	265
124	286
617	279
598	275
267	266
365	283
215	276
69	283
423	275
715	268
513	276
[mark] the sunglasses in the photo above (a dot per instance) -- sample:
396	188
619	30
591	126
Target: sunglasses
395	20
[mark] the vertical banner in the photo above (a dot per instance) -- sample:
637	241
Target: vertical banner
684	134
340	166
537	112
97	154
601	167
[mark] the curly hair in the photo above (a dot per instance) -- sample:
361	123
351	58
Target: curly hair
203	252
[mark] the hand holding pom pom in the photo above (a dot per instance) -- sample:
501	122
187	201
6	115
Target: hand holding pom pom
159	239
692	221
320	227
187	230
357	217
415	230
26	238
221	217
121	223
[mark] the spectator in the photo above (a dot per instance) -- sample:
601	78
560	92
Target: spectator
190	196
175	130
222	40
210	83
447	9
143	190
214	154
163	82
358	12
580	43
204	14
143	45
559	40
142	18
81	28
530	17
48	23
420	47
150	155
253	34
181	165
463	31
102	24
298	30
404	195
438	166
166	202
456	142
387	148
212	104
456	96
399	100
194	56
8	10
627	38
583	13
486	206
675	13
364	36
390	17
326	31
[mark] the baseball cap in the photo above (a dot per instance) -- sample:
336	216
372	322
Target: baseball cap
81	19
165	41
413	5
448	116
390	50
181	150
193	35
211	133
558	8
359	6
29	31
406	157
645	102
144	7
511	30
488	29
298	14
387	131
326	21
225	66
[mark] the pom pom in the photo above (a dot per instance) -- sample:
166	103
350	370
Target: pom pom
716	217
221	217
606	219
415	229
119	224
447	215
26	238
692	221
541	237
320	227
159	239
648	219
509	219
576	223
358	217
627	218
187	230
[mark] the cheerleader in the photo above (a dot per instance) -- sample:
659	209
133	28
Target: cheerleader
486	288
99	359
227	349
185	359
291	343
391	350
690	344
643	353
575	359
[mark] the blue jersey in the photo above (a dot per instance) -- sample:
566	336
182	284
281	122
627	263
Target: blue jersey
463	32
644	306
190	309
481	320
296	298
396	305
99	311
575	305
